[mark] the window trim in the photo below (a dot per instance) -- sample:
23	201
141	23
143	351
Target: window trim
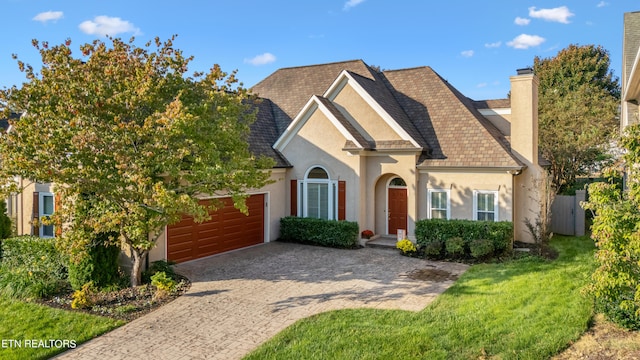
496	206
429	205
41	214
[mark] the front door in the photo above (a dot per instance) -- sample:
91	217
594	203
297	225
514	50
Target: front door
397	211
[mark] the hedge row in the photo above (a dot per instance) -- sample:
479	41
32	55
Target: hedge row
331	233
464	238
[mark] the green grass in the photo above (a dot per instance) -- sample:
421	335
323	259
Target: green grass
24	322
522	309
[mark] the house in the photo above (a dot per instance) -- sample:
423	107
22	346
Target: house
383	148
630	70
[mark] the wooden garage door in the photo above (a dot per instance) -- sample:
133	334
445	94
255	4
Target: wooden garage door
228	229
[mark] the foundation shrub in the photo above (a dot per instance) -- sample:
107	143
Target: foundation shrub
499	234
455	247
330	233
481	248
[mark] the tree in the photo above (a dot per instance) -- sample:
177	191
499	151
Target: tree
578	102
616	231
126	131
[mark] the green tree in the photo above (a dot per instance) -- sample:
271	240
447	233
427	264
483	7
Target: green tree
616	231
578	102
127	128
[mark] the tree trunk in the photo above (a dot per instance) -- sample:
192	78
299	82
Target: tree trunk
136	268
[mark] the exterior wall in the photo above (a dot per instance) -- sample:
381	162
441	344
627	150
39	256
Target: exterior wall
22	205
275	195
461	183
370	123
319	143
630	70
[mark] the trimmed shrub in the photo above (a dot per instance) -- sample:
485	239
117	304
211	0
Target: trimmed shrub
331	233
434	249
500	233
98	264
455	246
159	266
31	267
481	248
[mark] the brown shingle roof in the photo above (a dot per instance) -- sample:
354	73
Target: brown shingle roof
291	88
458	134
446	124
264	134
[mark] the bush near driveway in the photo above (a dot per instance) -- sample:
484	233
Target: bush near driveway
331	233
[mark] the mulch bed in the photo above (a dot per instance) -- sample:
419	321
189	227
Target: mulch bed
125	304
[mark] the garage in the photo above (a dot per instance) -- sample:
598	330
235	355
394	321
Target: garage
228	229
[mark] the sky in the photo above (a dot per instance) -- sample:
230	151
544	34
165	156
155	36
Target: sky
475	45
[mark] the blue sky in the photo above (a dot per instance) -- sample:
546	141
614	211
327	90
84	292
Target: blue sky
475	45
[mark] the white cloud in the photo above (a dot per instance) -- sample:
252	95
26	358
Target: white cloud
352	3
560	14
467	53
496	44
261	59
105	25
602	4
522	21
524	41
43	17
482	85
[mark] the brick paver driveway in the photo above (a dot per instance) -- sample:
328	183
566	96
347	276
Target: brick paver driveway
239	300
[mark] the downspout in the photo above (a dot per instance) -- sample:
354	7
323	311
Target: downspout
514	207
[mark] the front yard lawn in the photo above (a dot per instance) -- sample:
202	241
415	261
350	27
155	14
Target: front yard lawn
528	308
41	330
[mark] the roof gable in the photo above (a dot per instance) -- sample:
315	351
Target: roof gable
317	103
457	134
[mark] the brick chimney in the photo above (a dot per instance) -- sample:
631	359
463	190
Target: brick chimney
524	116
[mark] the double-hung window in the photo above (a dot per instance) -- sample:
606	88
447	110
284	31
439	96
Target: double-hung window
438	204
485	205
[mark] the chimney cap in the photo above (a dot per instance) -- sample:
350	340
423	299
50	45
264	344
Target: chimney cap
525	71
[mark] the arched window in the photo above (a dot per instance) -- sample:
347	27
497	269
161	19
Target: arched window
318	195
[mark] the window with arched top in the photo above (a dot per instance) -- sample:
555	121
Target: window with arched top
397	182
318	194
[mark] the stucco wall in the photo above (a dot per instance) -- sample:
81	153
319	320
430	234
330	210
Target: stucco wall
319	143
370	123
461	184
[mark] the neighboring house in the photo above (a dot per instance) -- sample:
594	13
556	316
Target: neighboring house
630	70
385	149
33	203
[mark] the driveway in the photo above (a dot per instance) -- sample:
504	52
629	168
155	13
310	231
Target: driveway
241	299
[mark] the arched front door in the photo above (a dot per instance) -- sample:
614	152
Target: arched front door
397	205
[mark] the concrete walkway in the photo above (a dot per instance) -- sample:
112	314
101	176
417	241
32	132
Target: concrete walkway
241	299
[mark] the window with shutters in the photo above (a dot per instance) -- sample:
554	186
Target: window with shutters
46	206
318	196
